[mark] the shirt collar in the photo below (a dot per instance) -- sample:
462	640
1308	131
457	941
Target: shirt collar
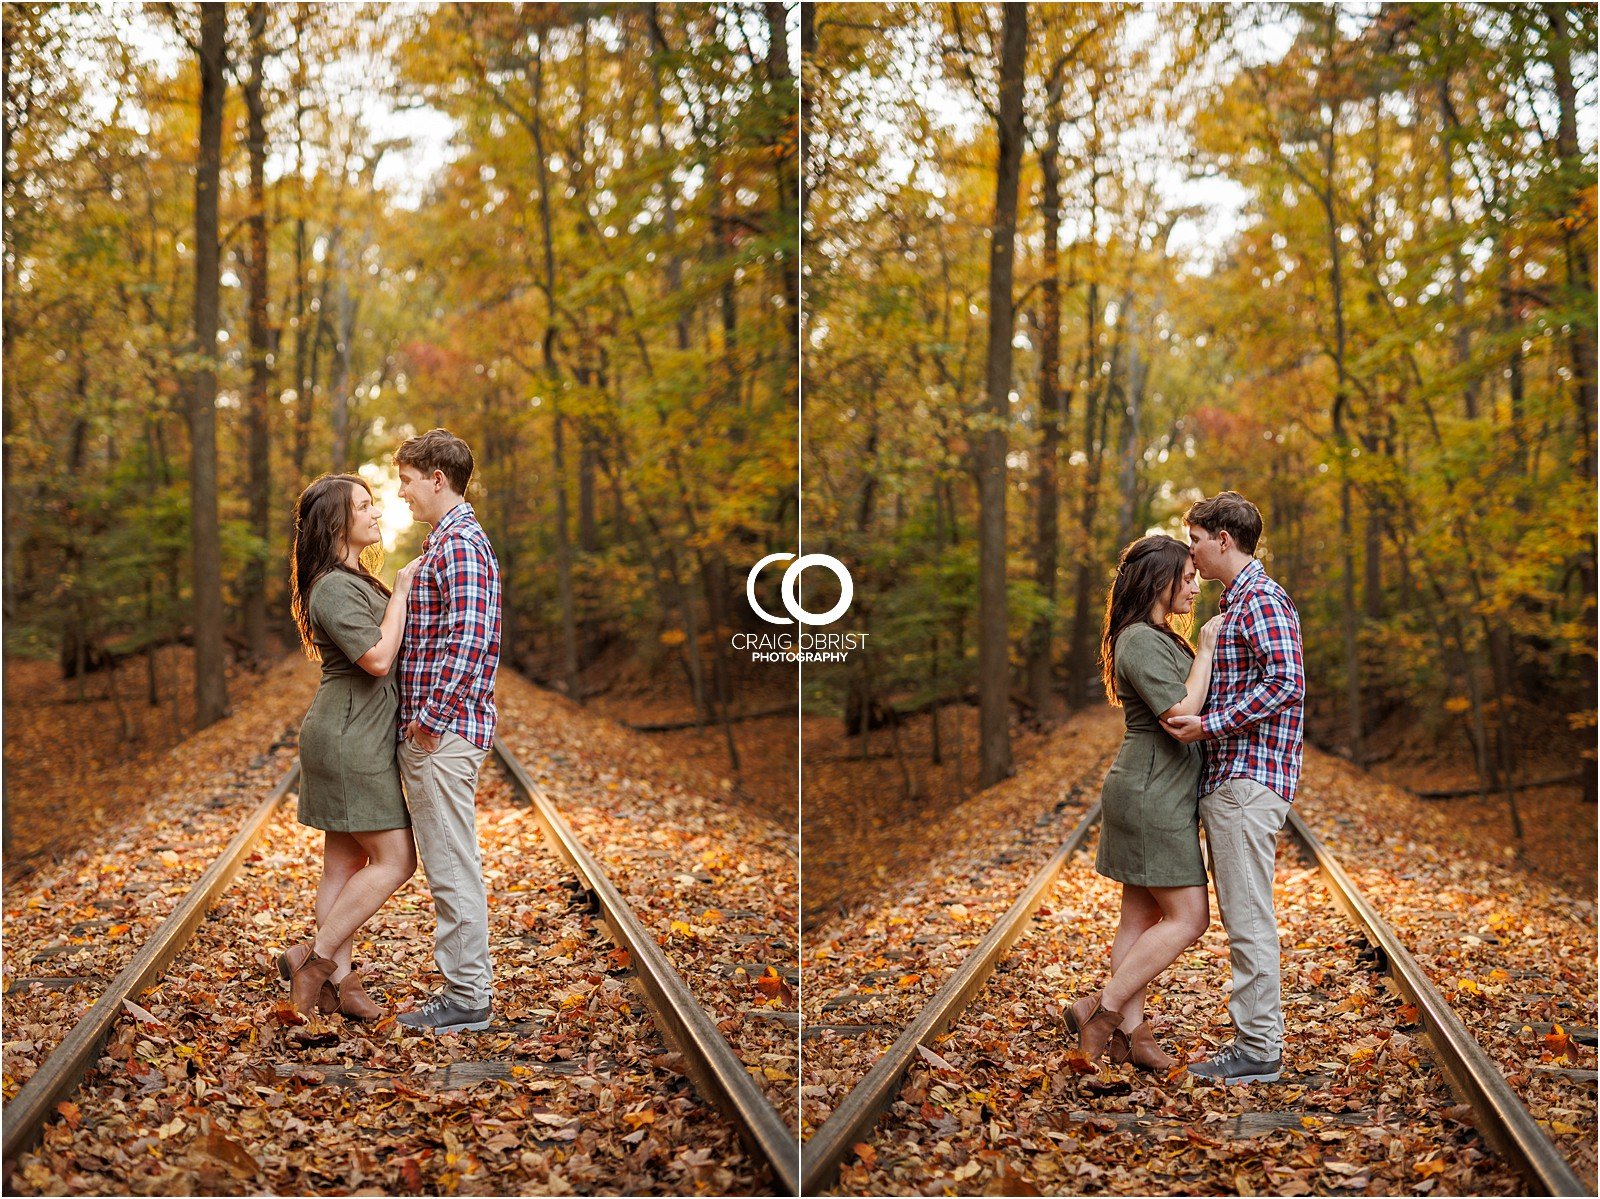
1241	583
451	518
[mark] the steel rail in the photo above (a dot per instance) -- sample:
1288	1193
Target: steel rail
35	1103
714	1068
1502	1117
826	1148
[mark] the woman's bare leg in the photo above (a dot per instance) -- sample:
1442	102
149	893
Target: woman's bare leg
390	859
342	859
1185	914
1139	914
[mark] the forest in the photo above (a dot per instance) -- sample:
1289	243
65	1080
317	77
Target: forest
1071	267
248	244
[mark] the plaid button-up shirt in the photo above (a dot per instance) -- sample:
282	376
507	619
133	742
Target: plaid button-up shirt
452	640
1255	709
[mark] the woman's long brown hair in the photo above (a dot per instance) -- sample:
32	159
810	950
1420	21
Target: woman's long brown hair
321	522
1147	570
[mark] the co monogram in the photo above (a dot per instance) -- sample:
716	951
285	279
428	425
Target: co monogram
791	582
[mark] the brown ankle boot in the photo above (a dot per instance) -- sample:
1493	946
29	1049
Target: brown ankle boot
292	959
1144	1053
1094	1025
354	1000
1117	1052
306	986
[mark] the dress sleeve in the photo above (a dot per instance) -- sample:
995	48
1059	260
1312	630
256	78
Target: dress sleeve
340	611
1147	665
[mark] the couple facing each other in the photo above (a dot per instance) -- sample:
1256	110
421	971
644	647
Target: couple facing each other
407	693
1213	738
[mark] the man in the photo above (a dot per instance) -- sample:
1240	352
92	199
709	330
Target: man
1251	726
447	716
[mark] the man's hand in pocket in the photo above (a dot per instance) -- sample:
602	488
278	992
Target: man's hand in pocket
427	741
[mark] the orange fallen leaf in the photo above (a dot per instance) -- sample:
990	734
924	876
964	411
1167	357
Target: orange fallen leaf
771	985
230	1153
1558	1044
411	1173
1078	1062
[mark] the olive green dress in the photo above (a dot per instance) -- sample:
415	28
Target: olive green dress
1150	816
350	778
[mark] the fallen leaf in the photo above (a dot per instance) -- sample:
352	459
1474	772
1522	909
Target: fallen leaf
230	1153
140	1014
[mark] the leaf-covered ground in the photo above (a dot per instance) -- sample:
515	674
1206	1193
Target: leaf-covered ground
716	883
210	1085
766	780
76	763
852	849
1513	954
1466	914
73	924
1558	825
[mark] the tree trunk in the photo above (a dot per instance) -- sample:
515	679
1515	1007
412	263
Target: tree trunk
569	625
1580	277
588	456
569	619
1352	614
785	261
994	668
302	381
210	679
1096	418
1053	413
259	452
1132	415
339	388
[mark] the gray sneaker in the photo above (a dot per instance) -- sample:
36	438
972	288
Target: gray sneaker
1232	1065
441	1014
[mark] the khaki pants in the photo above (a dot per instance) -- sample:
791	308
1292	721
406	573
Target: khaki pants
1242	819
440	791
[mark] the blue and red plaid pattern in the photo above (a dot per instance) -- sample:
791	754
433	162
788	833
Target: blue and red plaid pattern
452	640
1256	706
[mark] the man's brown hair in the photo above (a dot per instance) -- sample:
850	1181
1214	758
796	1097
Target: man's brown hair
1229	512
438	449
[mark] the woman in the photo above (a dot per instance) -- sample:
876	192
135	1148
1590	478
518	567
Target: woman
349	778
1149	839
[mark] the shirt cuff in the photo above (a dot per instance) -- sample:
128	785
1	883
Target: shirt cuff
430	721
1210	725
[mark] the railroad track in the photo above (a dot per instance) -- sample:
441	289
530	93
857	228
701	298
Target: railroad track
1500	1116
711	1064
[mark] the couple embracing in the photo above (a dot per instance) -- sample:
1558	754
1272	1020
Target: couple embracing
406	695
1213	739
